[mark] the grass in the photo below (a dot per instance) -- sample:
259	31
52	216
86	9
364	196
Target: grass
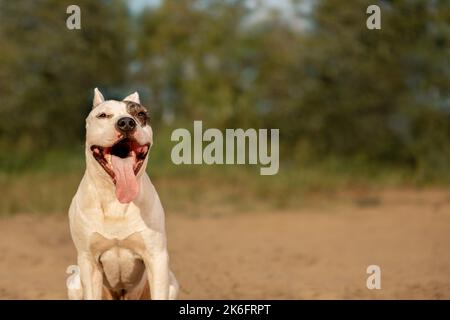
48	184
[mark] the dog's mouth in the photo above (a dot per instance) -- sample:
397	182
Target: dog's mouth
122	161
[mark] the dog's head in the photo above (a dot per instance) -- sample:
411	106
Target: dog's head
118	140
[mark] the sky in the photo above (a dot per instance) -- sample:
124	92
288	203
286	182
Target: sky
261	7
136	5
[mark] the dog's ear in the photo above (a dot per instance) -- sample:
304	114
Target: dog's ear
134	97
98	98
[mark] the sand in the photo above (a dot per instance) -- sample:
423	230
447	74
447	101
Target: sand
313	252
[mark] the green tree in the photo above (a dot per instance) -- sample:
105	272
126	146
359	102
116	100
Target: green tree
48	72
377	95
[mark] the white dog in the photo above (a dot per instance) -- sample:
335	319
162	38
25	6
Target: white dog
116	217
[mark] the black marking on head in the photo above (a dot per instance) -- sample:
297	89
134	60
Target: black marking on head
138	111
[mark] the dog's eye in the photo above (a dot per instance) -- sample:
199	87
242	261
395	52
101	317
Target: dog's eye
142	114
102	115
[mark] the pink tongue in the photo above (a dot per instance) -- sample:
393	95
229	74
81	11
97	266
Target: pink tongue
127	187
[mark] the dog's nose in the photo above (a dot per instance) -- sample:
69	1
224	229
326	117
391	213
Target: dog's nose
126	125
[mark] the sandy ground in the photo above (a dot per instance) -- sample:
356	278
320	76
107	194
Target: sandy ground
315	252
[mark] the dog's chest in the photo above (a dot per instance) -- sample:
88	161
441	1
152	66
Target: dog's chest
114	209
120	221
100	244
118	229
121	259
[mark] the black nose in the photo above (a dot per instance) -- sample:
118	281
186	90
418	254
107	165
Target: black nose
126	124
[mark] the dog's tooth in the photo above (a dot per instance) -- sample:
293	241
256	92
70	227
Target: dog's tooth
108	159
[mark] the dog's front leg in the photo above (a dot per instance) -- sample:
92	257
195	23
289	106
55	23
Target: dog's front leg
91	277
158	277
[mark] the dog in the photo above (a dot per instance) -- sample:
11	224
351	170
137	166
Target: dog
116	217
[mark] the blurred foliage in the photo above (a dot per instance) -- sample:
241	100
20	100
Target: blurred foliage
339	92
380	96
47	72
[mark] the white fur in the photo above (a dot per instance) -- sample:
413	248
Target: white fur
98	98
112	239
134	97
